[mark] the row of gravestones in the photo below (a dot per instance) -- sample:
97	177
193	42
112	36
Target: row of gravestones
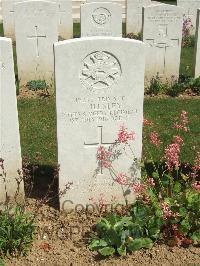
99	87
133	10
36	30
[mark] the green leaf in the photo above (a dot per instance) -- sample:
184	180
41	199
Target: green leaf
183	211
97	243
185	226
122	250
196	237
107	251
103	225
177	187
184	177
139	243
2	262
125	222
192	198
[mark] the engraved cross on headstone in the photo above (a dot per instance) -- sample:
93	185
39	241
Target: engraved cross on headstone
61	12
37	36
99	143
138	16
163	42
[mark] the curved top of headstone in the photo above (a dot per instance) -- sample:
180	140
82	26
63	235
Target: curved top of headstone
99	38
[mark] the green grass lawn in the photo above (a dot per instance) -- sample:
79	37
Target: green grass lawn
38	124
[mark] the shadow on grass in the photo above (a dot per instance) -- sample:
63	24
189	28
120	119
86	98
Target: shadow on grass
42	184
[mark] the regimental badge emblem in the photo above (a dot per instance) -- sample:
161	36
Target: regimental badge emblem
101	16
100	70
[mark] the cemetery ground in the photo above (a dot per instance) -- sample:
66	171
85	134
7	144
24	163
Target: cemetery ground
62	239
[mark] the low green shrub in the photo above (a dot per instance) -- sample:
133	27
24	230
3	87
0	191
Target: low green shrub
134	36
175	89
36	85
167	195
17	231
195	85
156	86
114	234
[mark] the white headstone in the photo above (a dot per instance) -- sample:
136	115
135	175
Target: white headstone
65	21
190	10
8	18
0	11
134	15
97	1
99	87
162	33
36	32
197	48
101	19
10	150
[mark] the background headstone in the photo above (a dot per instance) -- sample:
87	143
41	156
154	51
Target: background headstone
65	21
8	17
96	1
101	19
36	32
190	10
162	34
197	48
10	150
0	11
102	89
134	15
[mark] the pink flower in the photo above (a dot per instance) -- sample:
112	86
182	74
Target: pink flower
182	122
137	188
196	186
171	155
178	140
151	182
102	202
196	167
147	122
167	212
124	136
154	139
104	157
121	179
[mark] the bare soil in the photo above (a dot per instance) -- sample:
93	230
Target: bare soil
62	239
26	93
